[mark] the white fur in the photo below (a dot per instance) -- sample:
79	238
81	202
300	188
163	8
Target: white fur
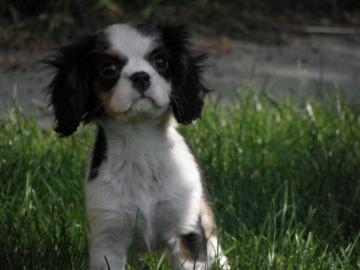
149	183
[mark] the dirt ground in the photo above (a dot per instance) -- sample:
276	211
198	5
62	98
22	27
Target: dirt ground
314	66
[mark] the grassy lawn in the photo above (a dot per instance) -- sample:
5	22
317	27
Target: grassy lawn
284	178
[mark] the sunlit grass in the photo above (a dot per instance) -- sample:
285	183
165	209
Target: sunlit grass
284	178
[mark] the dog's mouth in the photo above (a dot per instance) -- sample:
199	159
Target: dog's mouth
143	97
142	104
145	101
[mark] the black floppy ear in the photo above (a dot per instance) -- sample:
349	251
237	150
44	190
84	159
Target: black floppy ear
188	90
69	90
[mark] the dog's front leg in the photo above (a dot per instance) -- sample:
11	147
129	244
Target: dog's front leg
110	240
110	231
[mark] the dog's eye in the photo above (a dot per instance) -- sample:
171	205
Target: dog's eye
160	61
110	70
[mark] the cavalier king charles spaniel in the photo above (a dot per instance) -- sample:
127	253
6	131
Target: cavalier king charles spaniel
143	186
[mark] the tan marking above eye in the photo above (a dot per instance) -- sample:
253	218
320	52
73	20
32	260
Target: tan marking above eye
115	54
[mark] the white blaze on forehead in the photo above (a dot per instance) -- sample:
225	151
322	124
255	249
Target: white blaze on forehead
128	41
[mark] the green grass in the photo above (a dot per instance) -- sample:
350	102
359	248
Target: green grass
284	178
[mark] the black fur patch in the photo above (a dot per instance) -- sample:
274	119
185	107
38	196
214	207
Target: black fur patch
98	154
146	29
71	89
195	243
103	84
165	73
188	90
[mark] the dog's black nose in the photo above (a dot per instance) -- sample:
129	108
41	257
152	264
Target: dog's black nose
140	81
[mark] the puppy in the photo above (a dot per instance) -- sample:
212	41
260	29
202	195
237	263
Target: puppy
143	187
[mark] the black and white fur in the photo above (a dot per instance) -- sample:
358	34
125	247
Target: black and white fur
143	187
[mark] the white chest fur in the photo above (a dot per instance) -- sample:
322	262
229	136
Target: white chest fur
147	187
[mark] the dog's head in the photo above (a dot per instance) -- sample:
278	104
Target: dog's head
127	72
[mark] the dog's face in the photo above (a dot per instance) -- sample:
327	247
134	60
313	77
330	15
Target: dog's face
134	75
128	72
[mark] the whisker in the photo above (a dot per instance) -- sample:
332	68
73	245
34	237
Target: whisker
90	112
177	105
